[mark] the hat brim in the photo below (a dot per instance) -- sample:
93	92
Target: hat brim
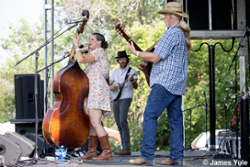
127	56
165	11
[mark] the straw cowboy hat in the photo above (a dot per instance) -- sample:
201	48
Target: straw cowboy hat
173	8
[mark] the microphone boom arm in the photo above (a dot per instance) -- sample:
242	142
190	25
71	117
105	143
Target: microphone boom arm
45	43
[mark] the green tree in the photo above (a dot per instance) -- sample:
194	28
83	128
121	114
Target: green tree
198	82
24	40
19	44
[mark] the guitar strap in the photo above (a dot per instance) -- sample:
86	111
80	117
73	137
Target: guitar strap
126	77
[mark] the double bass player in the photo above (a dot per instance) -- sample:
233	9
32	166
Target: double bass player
99	99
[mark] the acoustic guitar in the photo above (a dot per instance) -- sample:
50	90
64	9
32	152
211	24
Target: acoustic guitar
116	93
145	66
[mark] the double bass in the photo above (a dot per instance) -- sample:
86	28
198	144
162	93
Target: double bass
67	123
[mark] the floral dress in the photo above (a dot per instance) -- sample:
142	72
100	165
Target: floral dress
99	93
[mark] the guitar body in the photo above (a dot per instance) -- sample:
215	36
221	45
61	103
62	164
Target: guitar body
116	93
146	67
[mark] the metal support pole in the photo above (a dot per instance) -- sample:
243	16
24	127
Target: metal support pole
244	126
242	55
52	53
48	7
211	83
212	96
183	121
45	60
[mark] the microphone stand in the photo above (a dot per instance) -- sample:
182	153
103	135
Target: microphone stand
36	156
225	106
190	110
46	43
54	62
206	118
240	44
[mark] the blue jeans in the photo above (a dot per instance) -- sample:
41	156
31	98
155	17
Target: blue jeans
120	109
158	100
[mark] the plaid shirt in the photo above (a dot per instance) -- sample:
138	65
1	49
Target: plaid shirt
171	70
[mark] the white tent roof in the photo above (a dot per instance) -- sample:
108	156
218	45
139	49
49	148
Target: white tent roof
4	127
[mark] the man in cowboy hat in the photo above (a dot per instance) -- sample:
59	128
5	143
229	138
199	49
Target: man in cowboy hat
122	103
168	79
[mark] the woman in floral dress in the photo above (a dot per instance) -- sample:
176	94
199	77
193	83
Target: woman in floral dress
99	99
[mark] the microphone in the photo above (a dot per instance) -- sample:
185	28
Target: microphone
79	21
81	46
85	51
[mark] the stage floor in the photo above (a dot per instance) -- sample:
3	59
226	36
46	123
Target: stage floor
191	159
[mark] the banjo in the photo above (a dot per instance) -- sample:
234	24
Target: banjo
116	93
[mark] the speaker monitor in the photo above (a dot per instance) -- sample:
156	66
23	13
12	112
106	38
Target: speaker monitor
23	126
1	160
26	144
41	143
10	152
25	96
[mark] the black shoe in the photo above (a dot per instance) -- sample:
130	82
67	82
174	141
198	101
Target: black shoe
123	152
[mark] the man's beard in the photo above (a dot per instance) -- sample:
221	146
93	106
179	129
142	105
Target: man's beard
123	65
166	24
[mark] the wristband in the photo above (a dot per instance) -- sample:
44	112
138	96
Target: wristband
77	47
137	53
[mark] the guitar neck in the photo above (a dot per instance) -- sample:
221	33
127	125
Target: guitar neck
127	79
122	84
130	40
136	47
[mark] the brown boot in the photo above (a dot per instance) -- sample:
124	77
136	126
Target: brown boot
92	152
170	162
140	161
106	150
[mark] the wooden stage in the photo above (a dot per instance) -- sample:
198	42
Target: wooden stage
191	159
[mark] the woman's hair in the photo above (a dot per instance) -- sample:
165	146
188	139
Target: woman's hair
100	37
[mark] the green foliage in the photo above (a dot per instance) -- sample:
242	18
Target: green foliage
198	82
19	44
22	42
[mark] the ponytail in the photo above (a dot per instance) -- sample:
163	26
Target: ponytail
187	30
